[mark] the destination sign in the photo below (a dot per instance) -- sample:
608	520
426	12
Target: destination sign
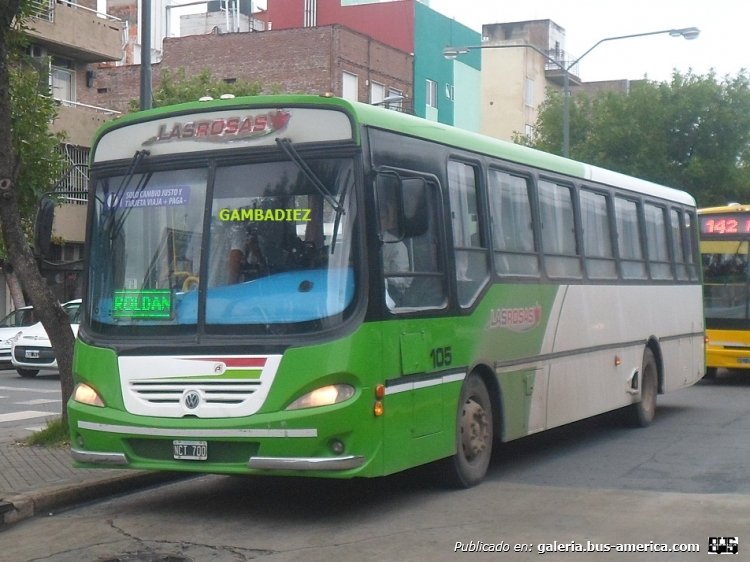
142	303
725	223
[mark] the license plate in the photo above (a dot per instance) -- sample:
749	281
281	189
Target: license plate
744	360
190	450
32	354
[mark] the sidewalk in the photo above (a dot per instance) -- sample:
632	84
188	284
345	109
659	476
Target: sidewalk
35	479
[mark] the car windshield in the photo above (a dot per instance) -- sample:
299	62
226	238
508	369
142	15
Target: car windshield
19	318
257	248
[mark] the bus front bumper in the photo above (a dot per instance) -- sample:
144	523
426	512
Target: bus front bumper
258	463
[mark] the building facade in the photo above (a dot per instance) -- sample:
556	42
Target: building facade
442	91
315	60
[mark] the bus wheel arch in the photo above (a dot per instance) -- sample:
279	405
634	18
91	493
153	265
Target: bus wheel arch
642	412
474	434
655	347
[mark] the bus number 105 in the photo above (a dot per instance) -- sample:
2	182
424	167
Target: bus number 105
441	356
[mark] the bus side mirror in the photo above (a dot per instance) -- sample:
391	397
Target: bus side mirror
45	216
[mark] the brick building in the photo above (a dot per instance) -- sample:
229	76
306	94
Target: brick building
308	60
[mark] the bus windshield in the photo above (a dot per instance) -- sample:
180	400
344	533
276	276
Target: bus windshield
725	279
238	249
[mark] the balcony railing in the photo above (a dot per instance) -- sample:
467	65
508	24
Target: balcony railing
61	22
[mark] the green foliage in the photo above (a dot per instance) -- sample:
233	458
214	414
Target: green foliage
692	133
55	434
40	163
178	87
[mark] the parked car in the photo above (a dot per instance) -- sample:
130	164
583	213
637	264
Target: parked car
31	350
10	326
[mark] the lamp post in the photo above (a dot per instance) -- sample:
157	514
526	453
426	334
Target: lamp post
450	53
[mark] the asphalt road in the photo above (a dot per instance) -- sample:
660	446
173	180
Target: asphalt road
679	482
26	404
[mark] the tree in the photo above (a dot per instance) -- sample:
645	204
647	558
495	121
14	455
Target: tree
691	133
24	150
178	87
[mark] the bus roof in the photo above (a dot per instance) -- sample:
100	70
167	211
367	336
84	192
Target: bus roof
379	117
729	208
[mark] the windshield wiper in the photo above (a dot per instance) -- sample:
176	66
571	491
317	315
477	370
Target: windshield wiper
287	146
289	149
138	157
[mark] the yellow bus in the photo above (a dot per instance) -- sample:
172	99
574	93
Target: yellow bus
724	246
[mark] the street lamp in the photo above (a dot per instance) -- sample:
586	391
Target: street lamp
451	53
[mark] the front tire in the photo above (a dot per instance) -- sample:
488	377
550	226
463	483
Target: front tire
642	413
27	373
474	436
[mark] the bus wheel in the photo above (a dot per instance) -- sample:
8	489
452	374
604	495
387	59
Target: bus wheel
27	373
642	413
710	373
474	435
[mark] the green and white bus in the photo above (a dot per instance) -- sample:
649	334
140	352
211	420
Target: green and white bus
301	285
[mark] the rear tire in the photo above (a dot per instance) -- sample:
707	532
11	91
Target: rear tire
642	413
27	373
710	373
474	436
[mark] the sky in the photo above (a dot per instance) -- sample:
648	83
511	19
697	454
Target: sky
720	46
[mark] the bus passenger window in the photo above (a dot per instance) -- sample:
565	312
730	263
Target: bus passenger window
558	230
413	273
629	239
512	225
597	238
472	264
656	236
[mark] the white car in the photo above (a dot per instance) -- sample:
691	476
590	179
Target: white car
31	350
10	326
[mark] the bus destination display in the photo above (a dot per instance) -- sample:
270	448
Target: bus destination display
729	223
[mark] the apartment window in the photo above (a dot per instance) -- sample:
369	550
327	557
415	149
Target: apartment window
431	93
63	79
377	92
349	86
398	105
528	92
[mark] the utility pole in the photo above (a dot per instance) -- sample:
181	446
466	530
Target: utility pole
146	99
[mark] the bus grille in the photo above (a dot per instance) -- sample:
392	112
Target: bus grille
196	386
215	392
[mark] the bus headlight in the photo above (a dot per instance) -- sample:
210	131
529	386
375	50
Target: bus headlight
85	394
323	396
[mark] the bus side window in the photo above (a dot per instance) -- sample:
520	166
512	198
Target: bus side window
678	250
408	227
656	237
558	230
629	239
512	225
470	251
597	236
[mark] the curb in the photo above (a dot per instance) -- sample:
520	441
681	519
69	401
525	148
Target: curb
26	505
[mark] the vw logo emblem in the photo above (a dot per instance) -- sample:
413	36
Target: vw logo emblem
191	399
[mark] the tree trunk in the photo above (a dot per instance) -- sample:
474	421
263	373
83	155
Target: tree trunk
14	288
48	310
